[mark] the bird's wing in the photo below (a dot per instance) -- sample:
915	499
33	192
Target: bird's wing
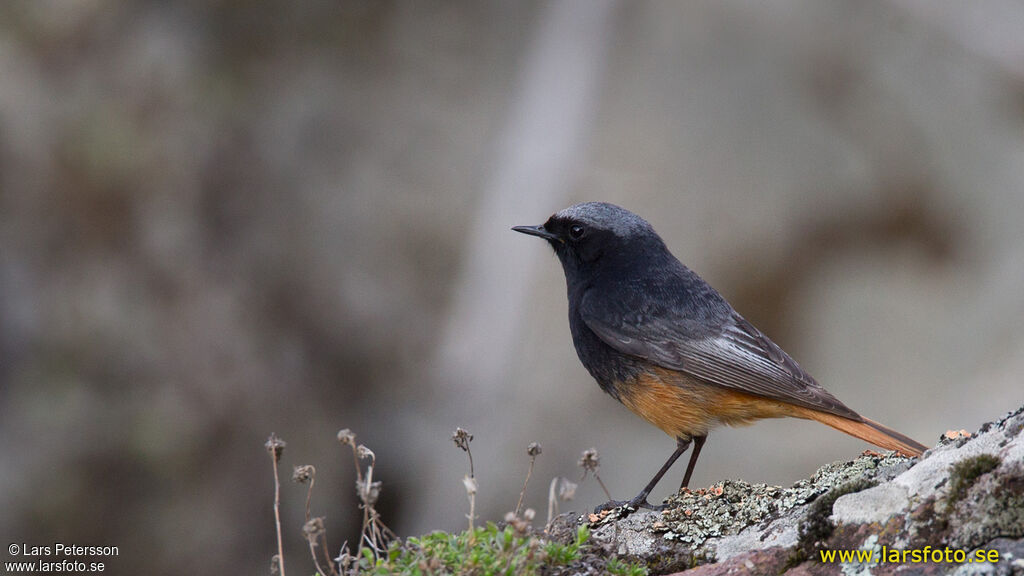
734	355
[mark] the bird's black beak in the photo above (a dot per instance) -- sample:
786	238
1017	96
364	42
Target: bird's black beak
537	231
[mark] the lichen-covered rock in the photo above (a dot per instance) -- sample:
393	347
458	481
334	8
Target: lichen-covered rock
966	494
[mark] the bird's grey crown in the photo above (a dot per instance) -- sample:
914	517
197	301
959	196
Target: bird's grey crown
606	216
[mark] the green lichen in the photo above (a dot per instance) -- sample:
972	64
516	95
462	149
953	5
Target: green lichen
722	509
728	507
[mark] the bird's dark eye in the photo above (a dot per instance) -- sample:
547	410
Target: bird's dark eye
576	231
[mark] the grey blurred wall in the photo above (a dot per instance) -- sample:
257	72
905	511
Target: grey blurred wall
224	219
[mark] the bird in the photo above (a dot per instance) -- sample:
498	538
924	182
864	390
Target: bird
660	340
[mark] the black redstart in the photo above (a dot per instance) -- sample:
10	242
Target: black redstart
666	344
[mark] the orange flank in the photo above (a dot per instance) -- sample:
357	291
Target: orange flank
683	407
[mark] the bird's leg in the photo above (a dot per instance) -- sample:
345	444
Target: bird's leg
640	500
698	443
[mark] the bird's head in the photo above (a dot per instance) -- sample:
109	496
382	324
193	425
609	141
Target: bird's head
595	235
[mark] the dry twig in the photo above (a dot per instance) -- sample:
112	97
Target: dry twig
462	438
275	446
533	450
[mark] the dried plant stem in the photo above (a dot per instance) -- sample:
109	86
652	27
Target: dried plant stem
375	535
552	499
355	462
327	555
309	496
277	519
470	483
276	446
603	487
316	534
378	534
462	438
314	530
590	462
367	525
522	494
316	561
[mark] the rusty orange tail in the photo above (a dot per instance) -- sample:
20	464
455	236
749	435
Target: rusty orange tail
867	430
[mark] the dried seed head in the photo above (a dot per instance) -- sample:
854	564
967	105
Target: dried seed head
303	474
462	438
590	460
529	514
520	525
313	529
567	490
275	446
365	453
533	450
368	492
470	483
347	437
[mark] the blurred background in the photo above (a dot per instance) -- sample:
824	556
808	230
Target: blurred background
223	219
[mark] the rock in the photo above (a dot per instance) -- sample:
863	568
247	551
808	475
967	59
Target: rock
962	500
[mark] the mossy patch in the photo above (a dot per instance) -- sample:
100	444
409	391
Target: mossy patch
816	527
495	550
993	506
963	475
